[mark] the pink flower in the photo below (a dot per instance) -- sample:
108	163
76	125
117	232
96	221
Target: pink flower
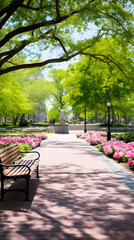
129	162
33	145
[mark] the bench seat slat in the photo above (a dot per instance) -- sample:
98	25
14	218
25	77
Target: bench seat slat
16	171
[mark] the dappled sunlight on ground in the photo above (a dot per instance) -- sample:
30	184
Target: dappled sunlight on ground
73	199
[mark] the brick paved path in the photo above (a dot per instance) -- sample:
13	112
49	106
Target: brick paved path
79	196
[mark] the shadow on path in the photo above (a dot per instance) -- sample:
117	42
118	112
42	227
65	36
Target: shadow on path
84	204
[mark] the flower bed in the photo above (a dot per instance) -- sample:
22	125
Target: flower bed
118	150
32	140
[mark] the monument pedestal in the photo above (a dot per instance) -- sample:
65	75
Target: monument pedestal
61	128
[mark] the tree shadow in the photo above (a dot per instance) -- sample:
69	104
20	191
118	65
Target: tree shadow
89	205
15	200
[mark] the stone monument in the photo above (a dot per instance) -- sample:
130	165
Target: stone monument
61	127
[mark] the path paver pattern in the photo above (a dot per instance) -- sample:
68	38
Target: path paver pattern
78	196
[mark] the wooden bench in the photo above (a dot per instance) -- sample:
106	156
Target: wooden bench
13	166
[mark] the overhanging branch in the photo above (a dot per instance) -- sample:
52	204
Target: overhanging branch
13	6
8	8
38	25
23	44
13	52
104	59
33	65
43	63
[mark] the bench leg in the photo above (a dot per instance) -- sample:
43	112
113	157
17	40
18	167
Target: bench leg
2	187
27	188
37	172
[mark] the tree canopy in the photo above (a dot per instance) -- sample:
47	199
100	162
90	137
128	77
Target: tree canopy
13	101
91	83
33	86
57	90
29	27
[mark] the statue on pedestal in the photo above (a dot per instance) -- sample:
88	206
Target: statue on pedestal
62	117
61	127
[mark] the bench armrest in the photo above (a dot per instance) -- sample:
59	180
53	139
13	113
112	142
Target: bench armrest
33	152
16	165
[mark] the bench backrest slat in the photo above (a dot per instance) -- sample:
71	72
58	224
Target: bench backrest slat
9	157
10	154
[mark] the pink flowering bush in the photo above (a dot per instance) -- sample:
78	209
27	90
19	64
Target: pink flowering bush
36	135
118	150
33	140
122	152
93	138
26	140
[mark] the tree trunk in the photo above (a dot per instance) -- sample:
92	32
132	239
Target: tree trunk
21	120
118	118
15	120
113	118
105	117
125	119
5	119
96	117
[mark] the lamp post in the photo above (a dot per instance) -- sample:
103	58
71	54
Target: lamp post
108	132
85	127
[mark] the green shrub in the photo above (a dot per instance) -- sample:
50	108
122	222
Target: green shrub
24	148
23	123
122	125
127	137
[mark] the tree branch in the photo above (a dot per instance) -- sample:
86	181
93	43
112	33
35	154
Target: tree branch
43	63
12	63
53	104
16	50
13	52
32	8
7	9
108	60
61	44
48	23
29	1
34	27
39	64
115	19
57	9
27	6
33	65
11	10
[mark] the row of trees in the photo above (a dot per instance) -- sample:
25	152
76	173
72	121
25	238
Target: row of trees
85	86
22	92
89	83
29	28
